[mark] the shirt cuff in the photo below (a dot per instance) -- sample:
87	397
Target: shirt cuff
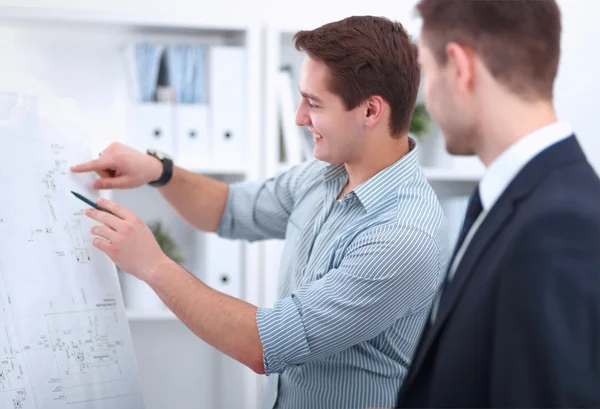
282	336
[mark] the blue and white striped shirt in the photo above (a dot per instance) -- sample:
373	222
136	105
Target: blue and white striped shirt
357	279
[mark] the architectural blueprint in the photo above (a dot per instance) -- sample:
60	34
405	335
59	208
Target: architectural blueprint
64	337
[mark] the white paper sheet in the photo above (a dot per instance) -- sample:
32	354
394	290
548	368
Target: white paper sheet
64	337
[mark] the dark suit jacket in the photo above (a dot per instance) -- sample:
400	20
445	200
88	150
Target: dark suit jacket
519	325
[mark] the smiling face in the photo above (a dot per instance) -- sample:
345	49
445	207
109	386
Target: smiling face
338	133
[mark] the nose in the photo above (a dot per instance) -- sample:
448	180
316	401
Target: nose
302	117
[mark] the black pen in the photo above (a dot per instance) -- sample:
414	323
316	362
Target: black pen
88	201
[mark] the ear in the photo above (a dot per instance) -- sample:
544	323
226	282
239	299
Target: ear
373	110
461	66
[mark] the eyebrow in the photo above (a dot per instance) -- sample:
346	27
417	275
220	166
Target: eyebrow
311	96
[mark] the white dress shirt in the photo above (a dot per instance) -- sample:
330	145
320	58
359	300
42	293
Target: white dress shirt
501	172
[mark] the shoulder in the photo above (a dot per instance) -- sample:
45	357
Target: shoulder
553	267
412	220
396	245
418	208
574	186
553	251
305	174
560	224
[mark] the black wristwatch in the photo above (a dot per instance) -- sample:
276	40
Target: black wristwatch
167	172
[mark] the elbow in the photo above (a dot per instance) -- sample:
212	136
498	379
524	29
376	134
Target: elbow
257	365
254	360
259	369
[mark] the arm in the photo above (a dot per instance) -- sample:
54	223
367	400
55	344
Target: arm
261	210
224	322
547	327
246	210
379	281
250	210
383	276
198	199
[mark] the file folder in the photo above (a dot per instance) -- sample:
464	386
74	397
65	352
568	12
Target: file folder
191	136
152	127
224	264
227	106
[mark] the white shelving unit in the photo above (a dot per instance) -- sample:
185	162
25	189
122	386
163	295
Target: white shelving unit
79	55
451	183
279	52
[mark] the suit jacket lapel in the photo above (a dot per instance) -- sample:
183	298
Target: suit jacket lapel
492	225
495	220
565	152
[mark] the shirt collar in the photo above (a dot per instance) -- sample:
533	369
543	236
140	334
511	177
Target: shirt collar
503	170
371	192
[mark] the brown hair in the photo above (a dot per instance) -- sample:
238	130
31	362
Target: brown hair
519	40
368	56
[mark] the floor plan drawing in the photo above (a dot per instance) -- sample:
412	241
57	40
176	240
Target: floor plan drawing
64	336
75	227
87	345
14	383
19	400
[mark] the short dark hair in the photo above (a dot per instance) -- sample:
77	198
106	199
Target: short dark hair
518	40
368	56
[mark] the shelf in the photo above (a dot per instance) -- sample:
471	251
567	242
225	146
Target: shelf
214	171
149	315
153	21
452	175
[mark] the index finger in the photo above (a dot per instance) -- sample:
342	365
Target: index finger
96	165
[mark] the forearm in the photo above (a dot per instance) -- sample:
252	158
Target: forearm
226	323
198	199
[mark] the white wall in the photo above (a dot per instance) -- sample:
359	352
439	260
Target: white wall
306	13
577	89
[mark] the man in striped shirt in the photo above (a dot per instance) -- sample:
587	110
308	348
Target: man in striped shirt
362	226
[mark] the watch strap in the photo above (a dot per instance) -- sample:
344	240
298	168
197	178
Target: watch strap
166	175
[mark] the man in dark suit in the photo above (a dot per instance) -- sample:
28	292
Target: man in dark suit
517	319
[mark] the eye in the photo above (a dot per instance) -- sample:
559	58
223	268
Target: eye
310	104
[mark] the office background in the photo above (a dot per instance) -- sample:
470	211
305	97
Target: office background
228	114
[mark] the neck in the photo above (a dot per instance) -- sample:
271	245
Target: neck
503	127
374	158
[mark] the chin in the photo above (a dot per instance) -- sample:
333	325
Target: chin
458	146
457	149
324	157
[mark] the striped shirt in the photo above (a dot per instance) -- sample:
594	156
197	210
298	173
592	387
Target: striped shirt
357	279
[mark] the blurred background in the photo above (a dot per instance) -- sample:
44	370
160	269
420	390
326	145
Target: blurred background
214	84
